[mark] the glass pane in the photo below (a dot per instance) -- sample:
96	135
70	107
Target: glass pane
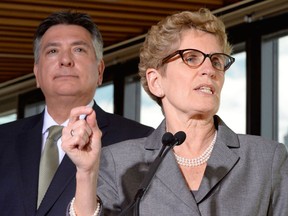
282	89
233	97
33	109
150	111
8	118
104	97
132	95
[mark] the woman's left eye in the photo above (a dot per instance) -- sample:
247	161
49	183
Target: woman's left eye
191	60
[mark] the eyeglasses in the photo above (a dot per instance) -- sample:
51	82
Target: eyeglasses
194	58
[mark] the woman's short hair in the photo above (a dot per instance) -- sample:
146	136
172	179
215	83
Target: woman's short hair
164	37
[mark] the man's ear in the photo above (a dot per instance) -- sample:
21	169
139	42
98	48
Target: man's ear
154	80
35	70
101	68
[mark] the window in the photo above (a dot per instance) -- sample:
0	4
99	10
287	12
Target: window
138	105
233	97
282	89
150	112
274	120
33	109
104	97
5	118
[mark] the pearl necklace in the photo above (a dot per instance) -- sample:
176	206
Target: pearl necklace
203	158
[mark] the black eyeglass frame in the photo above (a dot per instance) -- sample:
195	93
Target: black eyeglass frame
180	52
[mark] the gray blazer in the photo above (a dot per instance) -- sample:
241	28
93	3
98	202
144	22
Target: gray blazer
245	176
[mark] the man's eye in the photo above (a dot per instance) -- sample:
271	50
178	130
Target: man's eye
79	49
52	51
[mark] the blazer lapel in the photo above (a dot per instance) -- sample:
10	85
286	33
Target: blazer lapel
28	148
172	178
221	162
169	173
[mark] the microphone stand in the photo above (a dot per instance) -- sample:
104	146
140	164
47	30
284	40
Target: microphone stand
152	170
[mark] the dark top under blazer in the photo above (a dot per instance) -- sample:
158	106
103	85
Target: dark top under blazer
245	176
20	151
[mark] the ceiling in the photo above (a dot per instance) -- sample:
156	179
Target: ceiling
118	21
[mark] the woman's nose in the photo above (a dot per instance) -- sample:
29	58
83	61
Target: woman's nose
207	68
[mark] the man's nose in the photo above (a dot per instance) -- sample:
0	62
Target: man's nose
66	59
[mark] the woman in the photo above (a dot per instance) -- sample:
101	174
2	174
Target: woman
183	63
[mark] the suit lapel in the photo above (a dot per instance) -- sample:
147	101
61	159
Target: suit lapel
102	120
63	177
28	148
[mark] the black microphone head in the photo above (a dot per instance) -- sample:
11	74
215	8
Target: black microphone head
167	138
180	136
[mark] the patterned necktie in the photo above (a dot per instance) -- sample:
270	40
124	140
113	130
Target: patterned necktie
49	161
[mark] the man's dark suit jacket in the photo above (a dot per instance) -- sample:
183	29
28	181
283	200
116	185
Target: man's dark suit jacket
20	151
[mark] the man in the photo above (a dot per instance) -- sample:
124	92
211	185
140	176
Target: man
68	67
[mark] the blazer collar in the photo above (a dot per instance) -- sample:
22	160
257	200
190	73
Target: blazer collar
169	173
101	116
222	160
155	138
225	134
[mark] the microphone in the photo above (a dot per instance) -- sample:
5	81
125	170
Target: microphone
180	137
168	141
167	138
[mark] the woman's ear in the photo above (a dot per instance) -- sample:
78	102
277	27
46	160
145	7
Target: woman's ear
154	79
